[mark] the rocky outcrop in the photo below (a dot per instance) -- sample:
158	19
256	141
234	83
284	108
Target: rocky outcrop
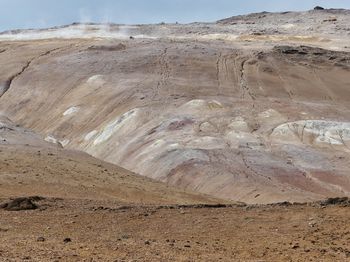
21	203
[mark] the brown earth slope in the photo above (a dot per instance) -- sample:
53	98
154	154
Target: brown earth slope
31	166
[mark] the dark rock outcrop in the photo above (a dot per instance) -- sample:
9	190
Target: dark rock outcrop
21	203
318	8
338	201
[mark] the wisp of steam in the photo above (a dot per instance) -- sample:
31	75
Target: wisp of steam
77	30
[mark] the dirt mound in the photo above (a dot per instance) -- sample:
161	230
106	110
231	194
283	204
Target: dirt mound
21	203
54	172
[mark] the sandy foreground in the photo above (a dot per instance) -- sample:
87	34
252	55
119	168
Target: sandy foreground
89	230
59	205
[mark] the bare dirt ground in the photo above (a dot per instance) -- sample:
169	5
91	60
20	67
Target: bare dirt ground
87	230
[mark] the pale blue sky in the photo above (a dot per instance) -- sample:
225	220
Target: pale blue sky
45	13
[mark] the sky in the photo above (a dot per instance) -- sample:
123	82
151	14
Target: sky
18	14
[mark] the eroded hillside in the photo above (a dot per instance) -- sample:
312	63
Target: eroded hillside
234	109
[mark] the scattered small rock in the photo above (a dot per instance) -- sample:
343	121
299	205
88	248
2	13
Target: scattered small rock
312	224
67	240
147	242
295	246
323	251
330	20
40	239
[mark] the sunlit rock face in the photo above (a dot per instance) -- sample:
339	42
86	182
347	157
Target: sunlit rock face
242	109
316	133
